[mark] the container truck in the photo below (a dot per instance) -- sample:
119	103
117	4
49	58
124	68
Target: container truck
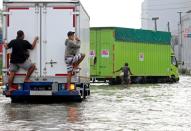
148	53
50	20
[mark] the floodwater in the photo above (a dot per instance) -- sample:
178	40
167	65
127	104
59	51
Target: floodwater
160	107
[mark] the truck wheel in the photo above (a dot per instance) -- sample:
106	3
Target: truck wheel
112	82
173	79
85	91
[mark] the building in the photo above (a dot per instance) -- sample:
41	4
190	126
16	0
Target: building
186	42
166	10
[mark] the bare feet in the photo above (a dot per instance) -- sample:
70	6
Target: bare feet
8	93
28	80
12	89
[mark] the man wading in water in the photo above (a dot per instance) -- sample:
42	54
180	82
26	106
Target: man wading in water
125	78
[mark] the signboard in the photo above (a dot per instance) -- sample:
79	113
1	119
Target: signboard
141	57
187	32
105	53
92	53
187	35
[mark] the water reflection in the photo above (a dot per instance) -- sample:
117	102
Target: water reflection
38	116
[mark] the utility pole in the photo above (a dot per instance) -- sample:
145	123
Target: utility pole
168	25
155	22
180	36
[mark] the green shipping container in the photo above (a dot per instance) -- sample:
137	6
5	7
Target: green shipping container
148	54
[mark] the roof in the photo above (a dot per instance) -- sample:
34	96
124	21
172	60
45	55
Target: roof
139	35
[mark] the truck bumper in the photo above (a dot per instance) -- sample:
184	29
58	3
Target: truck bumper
30	93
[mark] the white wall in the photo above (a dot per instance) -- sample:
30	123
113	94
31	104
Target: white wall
186	41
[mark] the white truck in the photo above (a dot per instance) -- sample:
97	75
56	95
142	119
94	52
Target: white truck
50	20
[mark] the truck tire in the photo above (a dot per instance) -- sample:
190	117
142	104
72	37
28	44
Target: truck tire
173	79
112	82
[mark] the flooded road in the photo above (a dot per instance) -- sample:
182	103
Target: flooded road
142	107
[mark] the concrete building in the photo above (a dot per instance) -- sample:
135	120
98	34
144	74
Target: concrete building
166	10
185	47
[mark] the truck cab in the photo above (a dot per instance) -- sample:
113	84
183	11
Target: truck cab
174	73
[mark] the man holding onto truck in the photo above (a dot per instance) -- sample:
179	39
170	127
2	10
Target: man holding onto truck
72	56
19	57
125	78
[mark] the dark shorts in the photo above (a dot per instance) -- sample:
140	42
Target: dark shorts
15	67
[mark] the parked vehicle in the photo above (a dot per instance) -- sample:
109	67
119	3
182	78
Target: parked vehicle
50	20
148	54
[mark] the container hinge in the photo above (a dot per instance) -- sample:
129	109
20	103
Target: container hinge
36	9
44	74
44	9
5	70
76	13
36	75
5	13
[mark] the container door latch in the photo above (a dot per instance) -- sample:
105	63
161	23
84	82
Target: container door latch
51	63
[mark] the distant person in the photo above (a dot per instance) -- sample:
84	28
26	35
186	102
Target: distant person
72	56
125	78
19	57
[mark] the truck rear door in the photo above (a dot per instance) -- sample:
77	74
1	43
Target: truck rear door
27	20
56	22
106	54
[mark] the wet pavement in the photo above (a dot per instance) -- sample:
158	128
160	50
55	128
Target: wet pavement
157	107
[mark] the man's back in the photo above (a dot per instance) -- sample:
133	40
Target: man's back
19	50
125	70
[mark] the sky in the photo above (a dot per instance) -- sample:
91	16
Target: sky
118	13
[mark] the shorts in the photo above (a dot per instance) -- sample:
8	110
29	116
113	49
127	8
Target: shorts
70	60
15	67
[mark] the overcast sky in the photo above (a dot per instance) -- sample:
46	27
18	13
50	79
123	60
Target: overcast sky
121	13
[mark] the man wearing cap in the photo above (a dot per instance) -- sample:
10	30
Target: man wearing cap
19	57
72	56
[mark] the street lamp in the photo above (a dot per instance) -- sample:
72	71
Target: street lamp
155	22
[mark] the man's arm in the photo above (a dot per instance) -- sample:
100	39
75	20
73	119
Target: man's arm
34	42
119	70
6	45
78	42
130	72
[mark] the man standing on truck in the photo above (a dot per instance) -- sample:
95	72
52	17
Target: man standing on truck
125	78
72	56
19	57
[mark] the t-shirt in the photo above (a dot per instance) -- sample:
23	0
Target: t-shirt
19	50
72	47
125	70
